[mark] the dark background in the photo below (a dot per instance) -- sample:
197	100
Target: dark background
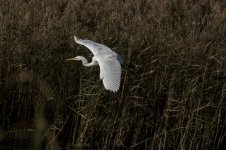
177	100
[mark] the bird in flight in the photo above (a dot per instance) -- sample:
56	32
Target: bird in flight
109	62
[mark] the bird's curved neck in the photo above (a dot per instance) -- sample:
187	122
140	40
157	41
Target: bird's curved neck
86	64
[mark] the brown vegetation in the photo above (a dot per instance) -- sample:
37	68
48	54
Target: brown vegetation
177	48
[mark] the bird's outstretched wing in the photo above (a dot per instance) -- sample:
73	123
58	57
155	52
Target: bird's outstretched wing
94	47
110	72
109	62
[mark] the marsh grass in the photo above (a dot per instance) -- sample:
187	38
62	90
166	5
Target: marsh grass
176	101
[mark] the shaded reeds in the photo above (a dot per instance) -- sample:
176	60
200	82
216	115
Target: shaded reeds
176	100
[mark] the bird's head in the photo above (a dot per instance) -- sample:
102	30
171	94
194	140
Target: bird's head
75	58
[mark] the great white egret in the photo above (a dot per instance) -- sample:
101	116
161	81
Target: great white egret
108	60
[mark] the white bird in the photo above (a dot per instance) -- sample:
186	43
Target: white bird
108	60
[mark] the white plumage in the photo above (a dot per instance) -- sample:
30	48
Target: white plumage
108	60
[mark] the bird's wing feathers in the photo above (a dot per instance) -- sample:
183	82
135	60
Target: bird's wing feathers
94	47
110	72
109	62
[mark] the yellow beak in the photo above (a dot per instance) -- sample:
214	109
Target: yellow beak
70	59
